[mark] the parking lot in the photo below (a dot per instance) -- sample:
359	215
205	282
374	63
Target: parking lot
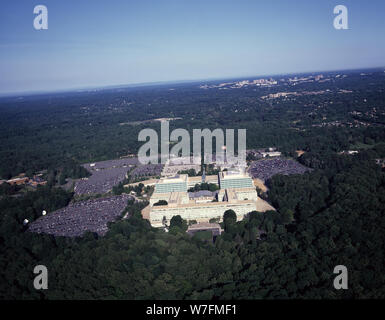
79	217
109	173
265	169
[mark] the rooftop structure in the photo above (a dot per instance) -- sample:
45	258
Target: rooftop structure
37	181
177	183
177	164
214	228
192	181
234	179
237	192
202	193
18	181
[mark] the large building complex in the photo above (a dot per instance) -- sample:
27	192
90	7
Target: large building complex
237	192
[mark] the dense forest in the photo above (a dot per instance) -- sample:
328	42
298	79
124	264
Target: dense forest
55	130
333	215
325	218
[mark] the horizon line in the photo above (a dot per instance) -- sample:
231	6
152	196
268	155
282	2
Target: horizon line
165	82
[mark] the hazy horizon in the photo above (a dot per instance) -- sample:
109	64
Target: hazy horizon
187	81
95	45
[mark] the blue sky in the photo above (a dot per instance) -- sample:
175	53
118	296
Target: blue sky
97	43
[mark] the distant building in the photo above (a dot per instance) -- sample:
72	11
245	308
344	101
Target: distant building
299	152
349	152
37	181
214	228
18	181
22	180
380	162
271	154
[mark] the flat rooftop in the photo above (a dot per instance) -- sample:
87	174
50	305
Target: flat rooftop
233	175
175	179
192	204
204	225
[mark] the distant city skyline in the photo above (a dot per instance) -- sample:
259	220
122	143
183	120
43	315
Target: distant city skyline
93	44
178	82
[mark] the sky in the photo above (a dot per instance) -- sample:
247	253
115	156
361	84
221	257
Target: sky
92	43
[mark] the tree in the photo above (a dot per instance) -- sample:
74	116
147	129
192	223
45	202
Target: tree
288	216
161	203
178	224
229	217
229	220
203	235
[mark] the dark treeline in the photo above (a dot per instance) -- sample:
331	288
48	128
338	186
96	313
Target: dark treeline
333	216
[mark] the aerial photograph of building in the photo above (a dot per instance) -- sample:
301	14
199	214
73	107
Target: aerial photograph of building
195	158
237	193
